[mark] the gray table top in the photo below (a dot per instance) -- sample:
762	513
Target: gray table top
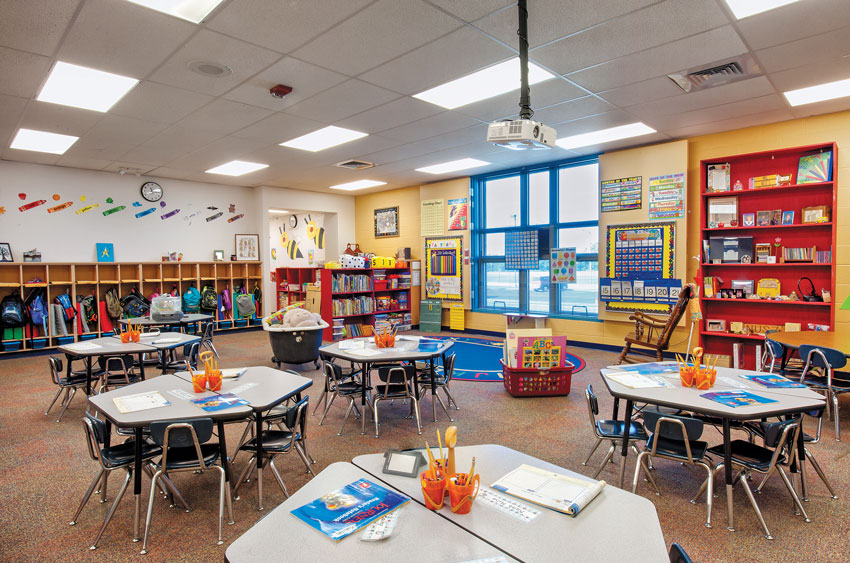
105	346
787	399
168	340
261	386
419	534
615	526
404	349
187	319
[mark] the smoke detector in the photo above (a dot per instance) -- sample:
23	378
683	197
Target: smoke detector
210	69
716	74
355	164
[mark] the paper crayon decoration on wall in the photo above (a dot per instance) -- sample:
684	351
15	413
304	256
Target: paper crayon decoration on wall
60	207
214	217
815	168
235	218
562	266
169	214
114	210
148	211
31	205
87	208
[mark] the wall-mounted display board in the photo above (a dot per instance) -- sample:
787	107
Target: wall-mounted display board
621	194
444	268
643	251
431	218
458	214
521	250
667	196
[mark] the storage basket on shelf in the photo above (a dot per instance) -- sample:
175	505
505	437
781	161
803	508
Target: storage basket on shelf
537	382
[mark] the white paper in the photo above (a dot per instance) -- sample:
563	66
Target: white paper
232	372
140	402
402	463
352	344
365	352
181	394
169	340
633	380
731	382
83	346
546	488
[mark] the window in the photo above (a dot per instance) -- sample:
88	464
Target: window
560	199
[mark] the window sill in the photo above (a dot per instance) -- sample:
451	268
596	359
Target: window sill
560	316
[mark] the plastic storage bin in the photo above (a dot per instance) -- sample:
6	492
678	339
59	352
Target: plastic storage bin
39	343
166	308
536	382
62	340
87	337
12	345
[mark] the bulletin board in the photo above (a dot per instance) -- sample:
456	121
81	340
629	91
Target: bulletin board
444	268
640	251
521	250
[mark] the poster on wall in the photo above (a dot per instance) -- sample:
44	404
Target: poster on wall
621	194
667	196
432	217
639	252
302	246
458	214
386	222
521	250
562	265
443	268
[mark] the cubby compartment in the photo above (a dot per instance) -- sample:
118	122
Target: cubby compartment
255	271
188	271
170	272
106	273
128	273
151	273
10	275
207	271
223	270
34	275
85	273
60	274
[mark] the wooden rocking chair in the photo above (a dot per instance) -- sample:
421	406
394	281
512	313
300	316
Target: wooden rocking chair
653	334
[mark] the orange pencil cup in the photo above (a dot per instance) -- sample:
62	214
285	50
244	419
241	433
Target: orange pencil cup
433	489
125	337
199	382
214	380
461	496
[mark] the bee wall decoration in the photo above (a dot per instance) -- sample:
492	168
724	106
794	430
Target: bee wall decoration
290	247
316	233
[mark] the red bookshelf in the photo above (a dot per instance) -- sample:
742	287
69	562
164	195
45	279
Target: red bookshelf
792	197
290	282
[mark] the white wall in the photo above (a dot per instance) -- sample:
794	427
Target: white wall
65	236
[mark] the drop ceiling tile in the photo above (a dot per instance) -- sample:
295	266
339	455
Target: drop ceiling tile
223	117
22	72
826	46
281	26
11	109
123	38
649	27
820	108
550	92
402	151
35	25
131	168
392	114
574	109
773	116
30	156
552	19
94	152
794	21
640	92
156	102
85	163
114	130
43	116
165	172
594	123
218	152
760	104
471	10
341	101
278	127
704	48
170	144
457	54
429	127
383	31
813	74
305	80
245	60
642	141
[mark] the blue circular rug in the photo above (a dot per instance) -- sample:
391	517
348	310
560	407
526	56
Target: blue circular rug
477	359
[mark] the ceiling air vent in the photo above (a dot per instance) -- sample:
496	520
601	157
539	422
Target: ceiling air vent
355	164
718	74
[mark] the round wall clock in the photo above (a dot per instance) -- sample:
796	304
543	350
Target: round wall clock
151	191
293	221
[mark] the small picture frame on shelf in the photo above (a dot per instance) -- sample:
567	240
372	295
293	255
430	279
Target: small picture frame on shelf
6	252
749	219
218	255
722	212
744	286
763	218
762	252
776	217
816	214
718	177
787	217
715	325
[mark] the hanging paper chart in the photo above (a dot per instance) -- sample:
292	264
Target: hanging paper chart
443	268
562	266
458	214
621	194
667	196
521	250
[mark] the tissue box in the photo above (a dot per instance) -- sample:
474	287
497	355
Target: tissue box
349	261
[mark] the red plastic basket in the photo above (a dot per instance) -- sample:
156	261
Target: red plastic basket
536	382
380	285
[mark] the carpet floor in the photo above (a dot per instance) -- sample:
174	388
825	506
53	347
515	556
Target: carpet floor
45	469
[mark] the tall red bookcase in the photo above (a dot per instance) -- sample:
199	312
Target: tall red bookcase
793	197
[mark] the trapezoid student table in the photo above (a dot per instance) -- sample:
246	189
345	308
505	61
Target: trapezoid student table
789	401
793	341
419	535
105	346
263	388
168	341
615	526
186	320
404	351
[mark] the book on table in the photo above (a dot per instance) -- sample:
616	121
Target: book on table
635	380
770	380
219	402
558	492
737	398
342	512
651	368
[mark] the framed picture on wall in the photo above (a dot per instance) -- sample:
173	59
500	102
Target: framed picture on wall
5	252
247	247
386	222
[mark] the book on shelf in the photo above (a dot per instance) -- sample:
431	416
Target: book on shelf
357	305
343	283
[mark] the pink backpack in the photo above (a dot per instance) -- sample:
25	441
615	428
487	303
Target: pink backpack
226	303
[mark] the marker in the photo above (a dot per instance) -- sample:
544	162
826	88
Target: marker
87	208
60	207
235	218
214	217
170	214
114	210
32	204
141	214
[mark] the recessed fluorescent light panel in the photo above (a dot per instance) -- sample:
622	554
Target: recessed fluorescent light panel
486	83
453	166
358	185
819	93
192	10
42	141
83	87
278	211
605	135
236	168
324	139
745	8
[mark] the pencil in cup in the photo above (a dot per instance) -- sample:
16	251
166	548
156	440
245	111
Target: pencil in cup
463	488
433	484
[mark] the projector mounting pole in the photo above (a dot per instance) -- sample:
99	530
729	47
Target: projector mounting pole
525	111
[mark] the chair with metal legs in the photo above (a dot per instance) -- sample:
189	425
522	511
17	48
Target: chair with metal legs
396	382
772	357
111	458
441	381
349	389
117	372
748	458
207	338
67	385
821	375
610	430
274	443
676	438
340	376
185	447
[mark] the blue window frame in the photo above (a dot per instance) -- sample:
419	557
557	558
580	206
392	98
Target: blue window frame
562	200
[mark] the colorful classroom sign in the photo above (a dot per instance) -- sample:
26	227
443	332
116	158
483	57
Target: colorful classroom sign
521	250
444	268
621	194
562	266
667	196
458	214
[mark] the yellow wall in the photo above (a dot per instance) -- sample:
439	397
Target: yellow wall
812	130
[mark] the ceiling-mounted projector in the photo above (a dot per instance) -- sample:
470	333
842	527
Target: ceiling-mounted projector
521	135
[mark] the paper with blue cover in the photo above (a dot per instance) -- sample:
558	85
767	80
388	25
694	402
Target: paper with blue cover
737	398
770	380
219	402
344	511
651	368
561	493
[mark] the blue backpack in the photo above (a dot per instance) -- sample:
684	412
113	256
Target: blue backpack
12	311
191	300
38	309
